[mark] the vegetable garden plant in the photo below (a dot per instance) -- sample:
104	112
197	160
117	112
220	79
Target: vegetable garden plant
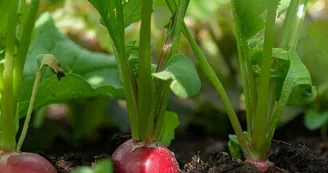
272	73
273	76
15	40
146	85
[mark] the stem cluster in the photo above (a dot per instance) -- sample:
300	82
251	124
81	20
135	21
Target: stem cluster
13	70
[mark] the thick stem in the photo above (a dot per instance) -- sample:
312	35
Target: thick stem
127	77
8	142
23	47
246	70
261	115
145	92
163	89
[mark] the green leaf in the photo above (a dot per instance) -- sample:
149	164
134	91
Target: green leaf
233	146
248	16
83	169
314	119
297	85
88	74
107	11
104	166
294	78
171	122
181	70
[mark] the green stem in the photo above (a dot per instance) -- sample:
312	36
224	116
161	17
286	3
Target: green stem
127	77
22	17
210	74
47	60
288	24
246	70
30	109
282	103
145	92
300	15
261	116
8	142
171	48
23	47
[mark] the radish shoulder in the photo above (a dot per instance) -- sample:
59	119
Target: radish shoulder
135	158
20	162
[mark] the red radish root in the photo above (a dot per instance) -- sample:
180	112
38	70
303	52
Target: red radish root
19	162
262	165
139	158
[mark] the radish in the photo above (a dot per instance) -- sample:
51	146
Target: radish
19	162
146	85
132	157
262	165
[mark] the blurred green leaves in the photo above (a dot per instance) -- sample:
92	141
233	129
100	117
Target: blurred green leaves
315	119
102	166
88	74
202	10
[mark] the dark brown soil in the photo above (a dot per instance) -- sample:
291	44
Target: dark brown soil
286	158
201	153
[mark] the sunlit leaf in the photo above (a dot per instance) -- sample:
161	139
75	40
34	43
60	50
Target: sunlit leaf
184	78
107	10
88	74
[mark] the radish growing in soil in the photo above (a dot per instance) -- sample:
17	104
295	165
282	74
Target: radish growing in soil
11	159
272	77
146	85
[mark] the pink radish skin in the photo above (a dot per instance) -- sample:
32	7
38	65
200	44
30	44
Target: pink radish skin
262	165
19	162
138	158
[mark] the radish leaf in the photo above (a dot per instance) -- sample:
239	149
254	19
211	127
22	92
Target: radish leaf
88	74
181	70
234	146
102	166
297	86
106	8
315	119
171	122
249	13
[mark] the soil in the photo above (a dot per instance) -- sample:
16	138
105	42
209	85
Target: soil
305	152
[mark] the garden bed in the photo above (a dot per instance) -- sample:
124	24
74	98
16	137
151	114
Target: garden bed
305	152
